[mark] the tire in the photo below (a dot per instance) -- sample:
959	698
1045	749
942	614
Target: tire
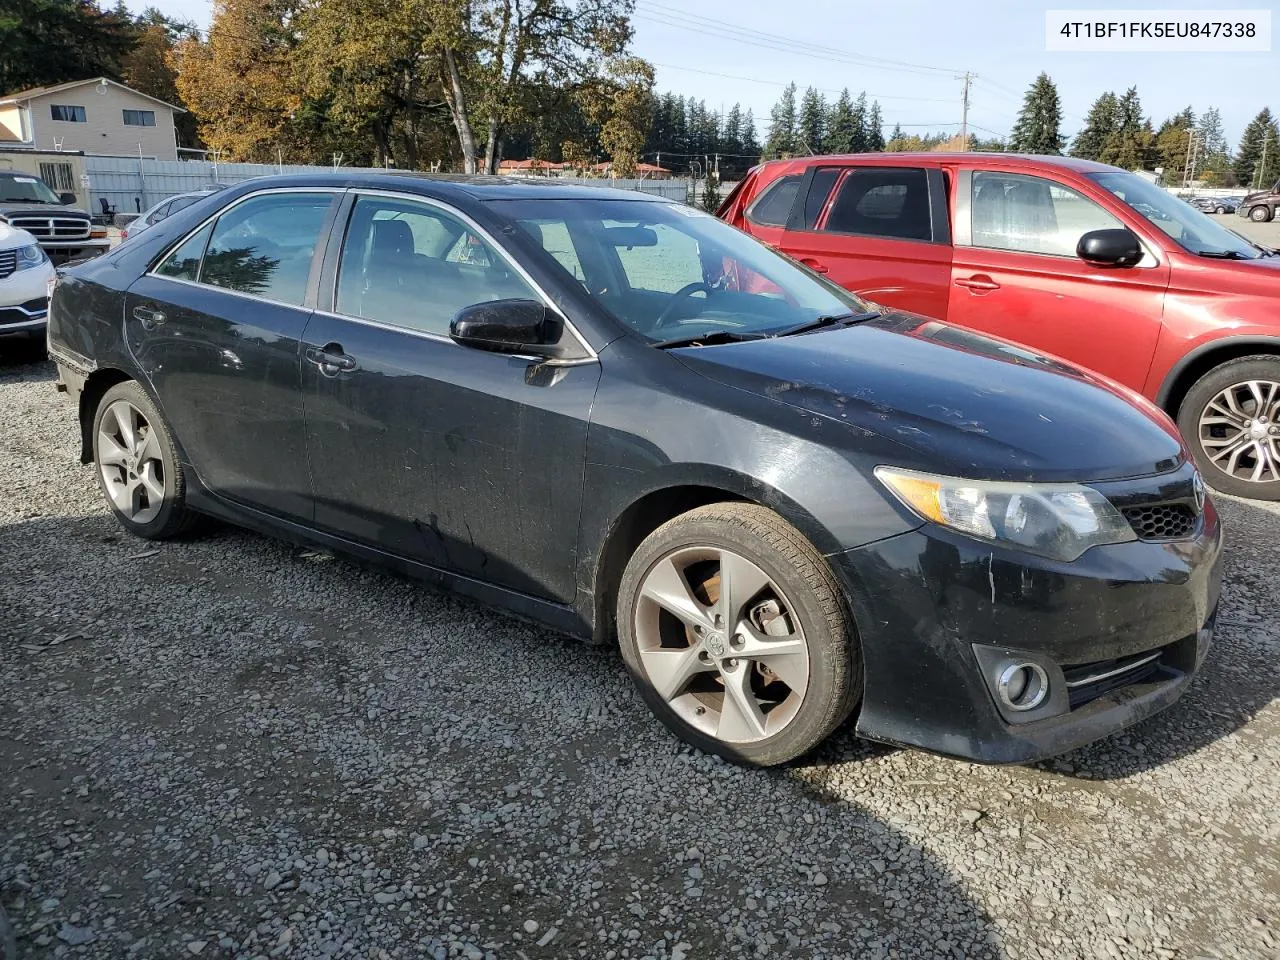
1260	214
1220	210
143	482
1222	412
800	667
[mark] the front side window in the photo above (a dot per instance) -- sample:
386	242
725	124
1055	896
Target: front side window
184	262
888	202
1024	214
139	118
668	271
415	265
67	113
773	207
265	245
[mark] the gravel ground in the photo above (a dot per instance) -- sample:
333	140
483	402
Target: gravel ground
231	747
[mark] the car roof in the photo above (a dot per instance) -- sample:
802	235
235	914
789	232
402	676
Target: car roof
929	158
447	186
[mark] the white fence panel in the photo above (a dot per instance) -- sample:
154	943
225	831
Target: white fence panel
131	186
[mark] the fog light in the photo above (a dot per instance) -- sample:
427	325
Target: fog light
1023	686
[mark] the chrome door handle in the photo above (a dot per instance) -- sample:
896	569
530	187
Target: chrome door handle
149	318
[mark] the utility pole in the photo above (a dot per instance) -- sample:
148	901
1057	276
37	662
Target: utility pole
1193	158
968	78
1262	164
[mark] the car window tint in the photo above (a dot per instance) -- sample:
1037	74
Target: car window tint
415	265
773	207
888	202
819	191
184	262
665	261
553	236
1032	215
265	245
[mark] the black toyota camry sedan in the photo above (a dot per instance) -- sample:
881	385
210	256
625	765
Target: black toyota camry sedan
628	420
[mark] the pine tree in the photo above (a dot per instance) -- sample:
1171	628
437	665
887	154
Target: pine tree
782	124
750	145
1131	146
859	144
1248	166
1039	125
1210	130
875	129
840	126
1102	122
1171	145
811	125
731	141
896	138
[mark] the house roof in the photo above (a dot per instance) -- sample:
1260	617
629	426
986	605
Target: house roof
24	95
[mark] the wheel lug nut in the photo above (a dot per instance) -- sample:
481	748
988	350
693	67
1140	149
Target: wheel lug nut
700	711
736	642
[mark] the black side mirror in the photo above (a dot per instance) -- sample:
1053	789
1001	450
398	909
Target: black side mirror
508	326
67	199
1111	248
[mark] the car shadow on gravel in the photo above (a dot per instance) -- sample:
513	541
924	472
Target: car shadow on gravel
1240	675
18	352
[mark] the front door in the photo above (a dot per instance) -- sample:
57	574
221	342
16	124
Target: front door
458	458
216	328
1015	274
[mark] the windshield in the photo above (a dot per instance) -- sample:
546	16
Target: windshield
26	190
671	272
1190	228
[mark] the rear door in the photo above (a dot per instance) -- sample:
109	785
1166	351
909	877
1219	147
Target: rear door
216	326
879	230
1016	275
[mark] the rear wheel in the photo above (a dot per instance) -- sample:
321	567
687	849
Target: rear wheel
1220	210
1260	214
137	465
732	627
1231	420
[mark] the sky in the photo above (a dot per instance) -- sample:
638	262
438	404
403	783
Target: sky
755	47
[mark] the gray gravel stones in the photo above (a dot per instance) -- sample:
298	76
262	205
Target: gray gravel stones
236	750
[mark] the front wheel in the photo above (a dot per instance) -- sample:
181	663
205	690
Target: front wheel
1220	211
732	626
1260	214
138	467
1231	420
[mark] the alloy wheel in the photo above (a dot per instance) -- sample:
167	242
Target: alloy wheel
130	462
721	644
1240	431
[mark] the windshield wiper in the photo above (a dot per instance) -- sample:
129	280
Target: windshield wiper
708	338
829	320
1224	255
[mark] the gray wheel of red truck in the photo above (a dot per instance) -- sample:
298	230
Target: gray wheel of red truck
1231	421
1260	214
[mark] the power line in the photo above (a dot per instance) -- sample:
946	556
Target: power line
778	83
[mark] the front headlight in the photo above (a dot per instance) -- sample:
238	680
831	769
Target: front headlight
1055	520
31	256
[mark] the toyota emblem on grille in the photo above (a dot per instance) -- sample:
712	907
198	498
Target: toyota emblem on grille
1197	487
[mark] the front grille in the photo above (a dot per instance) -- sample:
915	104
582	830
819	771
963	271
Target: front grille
1088	681
8	262
1163	521
52	228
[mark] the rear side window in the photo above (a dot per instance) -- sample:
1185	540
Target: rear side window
181	203
184	262
773	207
265	245
888	202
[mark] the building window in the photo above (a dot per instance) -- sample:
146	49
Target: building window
67	114
58	177
139	118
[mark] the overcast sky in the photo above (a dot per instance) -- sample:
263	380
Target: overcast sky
832	44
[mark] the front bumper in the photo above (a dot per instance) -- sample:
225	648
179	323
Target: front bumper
937	613
24	300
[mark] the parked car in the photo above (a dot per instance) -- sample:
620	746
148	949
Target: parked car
615	414
1218	205
1261	206
25	277
1078	259
165	208
63	231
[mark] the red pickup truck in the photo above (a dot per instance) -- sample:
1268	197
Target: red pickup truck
1077	259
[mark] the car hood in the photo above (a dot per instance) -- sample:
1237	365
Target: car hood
956	402
53	210
11	238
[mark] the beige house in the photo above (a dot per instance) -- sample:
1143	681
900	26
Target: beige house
96	116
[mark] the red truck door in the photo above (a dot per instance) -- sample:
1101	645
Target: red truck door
1015	274
878	230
